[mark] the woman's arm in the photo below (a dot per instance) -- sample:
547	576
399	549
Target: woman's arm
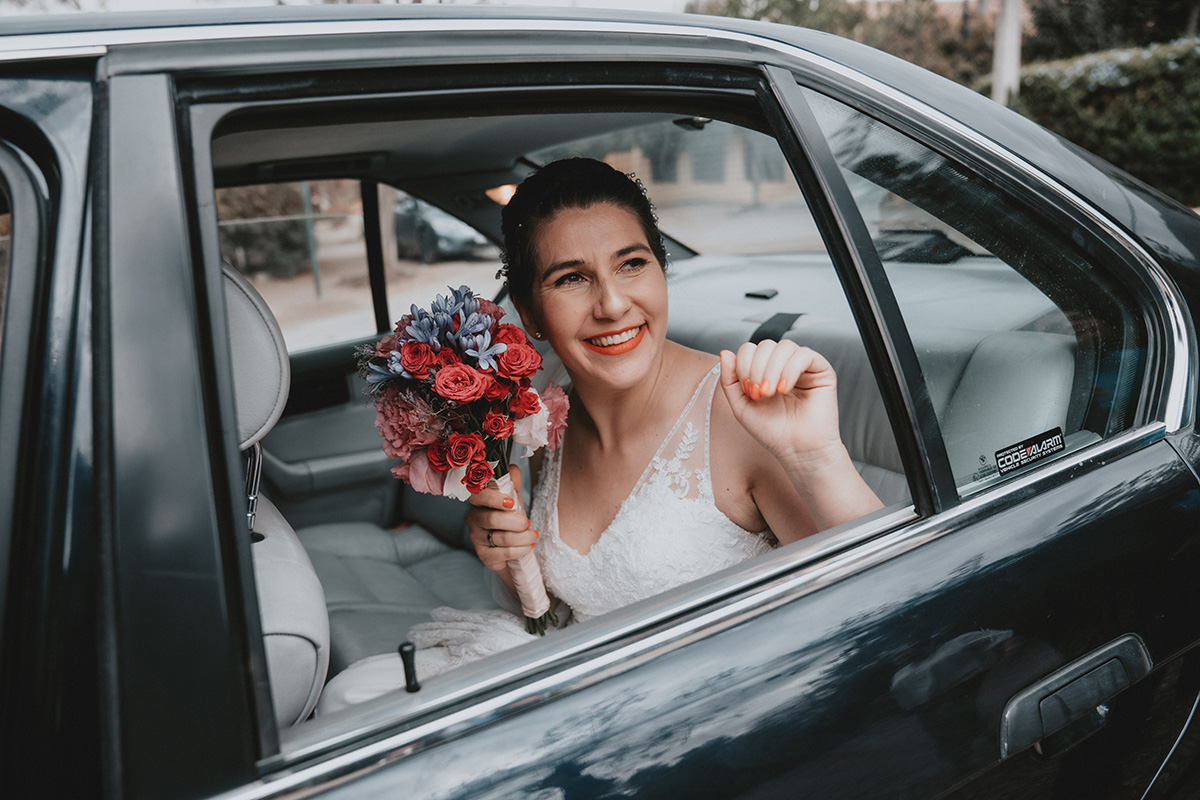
785	396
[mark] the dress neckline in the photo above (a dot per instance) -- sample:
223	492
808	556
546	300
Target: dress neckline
556	458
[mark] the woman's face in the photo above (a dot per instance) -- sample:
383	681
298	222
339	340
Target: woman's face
599	295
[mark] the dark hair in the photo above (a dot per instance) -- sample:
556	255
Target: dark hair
559	185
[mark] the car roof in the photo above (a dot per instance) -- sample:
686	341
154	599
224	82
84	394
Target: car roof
1125	199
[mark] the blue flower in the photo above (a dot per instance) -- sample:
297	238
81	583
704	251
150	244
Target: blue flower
425	328
377	376
480	346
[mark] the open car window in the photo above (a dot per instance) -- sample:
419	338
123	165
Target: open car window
303	245
1029	347
746	263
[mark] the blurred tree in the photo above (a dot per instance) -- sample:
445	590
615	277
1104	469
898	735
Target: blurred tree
915	30
1065	28
832	16
262	229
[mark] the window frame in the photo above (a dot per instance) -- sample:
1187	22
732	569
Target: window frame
203	112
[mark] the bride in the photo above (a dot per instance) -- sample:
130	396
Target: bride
675	463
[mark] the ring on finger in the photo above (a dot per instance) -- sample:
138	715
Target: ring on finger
490	542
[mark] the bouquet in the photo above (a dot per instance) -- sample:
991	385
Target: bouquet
452	395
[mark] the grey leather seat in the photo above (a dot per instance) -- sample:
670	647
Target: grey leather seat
295	623
379	583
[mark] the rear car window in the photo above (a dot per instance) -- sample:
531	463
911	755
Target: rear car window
1028	346
302	245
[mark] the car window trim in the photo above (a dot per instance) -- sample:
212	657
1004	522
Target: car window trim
28	207
373	238
890	349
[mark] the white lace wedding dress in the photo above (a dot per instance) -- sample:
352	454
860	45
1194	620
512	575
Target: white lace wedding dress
667	532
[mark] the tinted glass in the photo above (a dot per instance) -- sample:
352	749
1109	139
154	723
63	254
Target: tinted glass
1028	349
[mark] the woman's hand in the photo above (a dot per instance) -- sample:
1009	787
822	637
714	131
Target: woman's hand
785	396
499	529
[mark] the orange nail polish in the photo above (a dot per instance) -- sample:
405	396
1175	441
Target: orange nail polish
509	502
783	387
755	392
536	535
746	386
527	524
766	389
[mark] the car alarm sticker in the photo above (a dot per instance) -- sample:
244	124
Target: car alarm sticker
1032	449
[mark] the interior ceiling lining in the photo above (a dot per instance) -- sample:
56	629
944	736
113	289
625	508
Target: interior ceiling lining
422	148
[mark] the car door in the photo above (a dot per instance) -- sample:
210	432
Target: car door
873	660
1026	635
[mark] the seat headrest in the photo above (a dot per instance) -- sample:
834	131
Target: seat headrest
261	371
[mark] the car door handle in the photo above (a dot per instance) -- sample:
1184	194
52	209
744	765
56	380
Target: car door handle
1077	690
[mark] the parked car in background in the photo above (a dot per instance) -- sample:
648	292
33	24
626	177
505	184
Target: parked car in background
430	234
200	532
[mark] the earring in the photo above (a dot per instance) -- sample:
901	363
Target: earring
536	334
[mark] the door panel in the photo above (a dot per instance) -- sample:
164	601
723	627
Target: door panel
809	698
323	461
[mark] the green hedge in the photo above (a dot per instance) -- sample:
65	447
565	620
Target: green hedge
1138	108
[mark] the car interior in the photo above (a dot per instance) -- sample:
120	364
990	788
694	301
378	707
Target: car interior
1016	332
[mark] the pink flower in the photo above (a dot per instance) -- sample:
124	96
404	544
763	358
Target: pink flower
385	346
422	476
491	309
555	401
404	426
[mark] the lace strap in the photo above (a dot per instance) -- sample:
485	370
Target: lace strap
683	415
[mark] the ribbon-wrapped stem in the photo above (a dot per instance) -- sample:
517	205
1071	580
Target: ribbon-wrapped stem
527	577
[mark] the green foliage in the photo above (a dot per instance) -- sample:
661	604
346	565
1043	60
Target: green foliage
1066	28
1136	108
262	229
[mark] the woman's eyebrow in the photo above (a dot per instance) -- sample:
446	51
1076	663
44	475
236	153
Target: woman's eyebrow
633	248
562	265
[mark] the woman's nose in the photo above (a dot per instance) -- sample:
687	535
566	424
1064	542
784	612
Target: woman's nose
611	300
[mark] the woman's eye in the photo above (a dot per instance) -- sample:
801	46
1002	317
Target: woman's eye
570	277
634	264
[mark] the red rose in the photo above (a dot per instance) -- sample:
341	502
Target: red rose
497	425
509	334
459	383
446	357
496	389
437	455
477	477
385	346
417	358
518	361
491	309
523	404
463	448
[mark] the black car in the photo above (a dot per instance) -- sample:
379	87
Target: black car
201	532
430	234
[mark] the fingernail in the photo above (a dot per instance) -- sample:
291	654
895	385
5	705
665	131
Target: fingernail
509	502
746	386
766	389
783	387
755	392
536	535
528	524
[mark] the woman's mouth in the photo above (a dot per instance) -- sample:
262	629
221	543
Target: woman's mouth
618	342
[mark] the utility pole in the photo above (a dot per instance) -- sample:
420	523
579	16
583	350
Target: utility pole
1006	53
